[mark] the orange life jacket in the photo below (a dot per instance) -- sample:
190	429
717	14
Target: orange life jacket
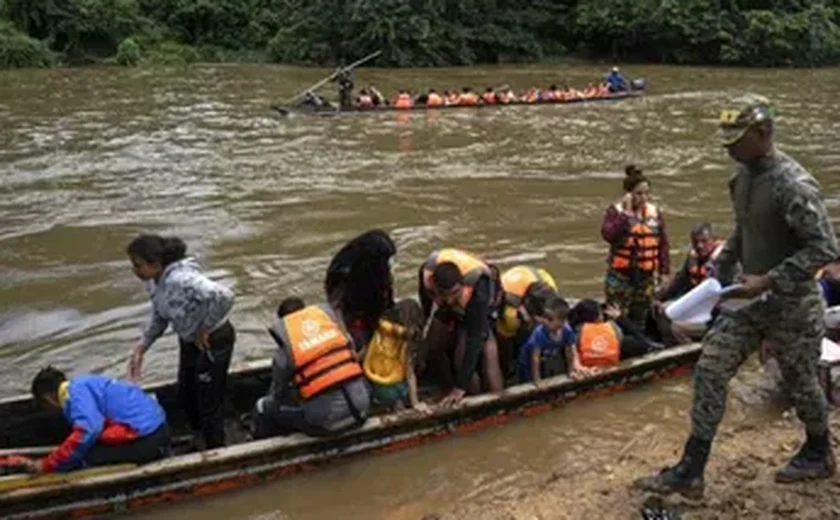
598	345
365	101
505	97
603	90
559	95
471	267
453	99
469	98
319	348
640	249
697	271
403	101
532	96
489	98
434	100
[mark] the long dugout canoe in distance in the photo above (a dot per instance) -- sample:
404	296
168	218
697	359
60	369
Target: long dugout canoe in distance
334	111
103	491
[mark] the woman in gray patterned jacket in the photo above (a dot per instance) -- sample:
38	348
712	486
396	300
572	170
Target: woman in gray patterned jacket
198	309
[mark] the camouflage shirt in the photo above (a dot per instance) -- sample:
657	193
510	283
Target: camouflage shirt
781	225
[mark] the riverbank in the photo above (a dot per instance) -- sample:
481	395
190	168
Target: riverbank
325	32
739	481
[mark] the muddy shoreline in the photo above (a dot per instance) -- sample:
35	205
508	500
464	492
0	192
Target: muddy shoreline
739	478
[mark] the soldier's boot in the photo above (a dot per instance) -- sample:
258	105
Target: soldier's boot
814	460
686	477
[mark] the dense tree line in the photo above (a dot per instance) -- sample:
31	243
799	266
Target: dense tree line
419	32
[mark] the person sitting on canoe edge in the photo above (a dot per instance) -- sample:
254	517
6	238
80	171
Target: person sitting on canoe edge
433	99
112	422
403	100
638	257
616	82
199	310
603	338
365	100
390	359
488	97
317	383
697	267
466	293
507	96
544	352
468	97
525	291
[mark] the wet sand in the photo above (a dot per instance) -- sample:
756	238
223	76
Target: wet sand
739	479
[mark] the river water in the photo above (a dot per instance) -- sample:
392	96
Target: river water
92	157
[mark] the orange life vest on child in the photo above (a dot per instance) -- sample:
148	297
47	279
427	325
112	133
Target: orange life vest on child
642	245
489	98
319	348
598	345
403	101
470	267
434	100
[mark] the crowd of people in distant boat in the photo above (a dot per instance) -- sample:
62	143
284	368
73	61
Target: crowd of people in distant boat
474	329
370	97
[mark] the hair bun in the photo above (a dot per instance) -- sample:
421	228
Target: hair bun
630	170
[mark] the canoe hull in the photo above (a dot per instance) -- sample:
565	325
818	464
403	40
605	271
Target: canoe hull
286	110
217	471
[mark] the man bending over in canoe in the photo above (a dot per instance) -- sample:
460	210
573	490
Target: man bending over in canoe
317	384
112	422
466	292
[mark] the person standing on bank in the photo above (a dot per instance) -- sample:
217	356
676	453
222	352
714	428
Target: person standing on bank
638	259
198	309
782	236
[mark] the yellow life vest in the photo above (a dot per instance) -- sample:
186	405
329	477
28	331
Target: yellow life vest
384	362
515	284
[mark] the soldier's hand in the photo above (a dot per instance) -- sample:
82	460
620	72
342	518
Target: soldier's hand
751	286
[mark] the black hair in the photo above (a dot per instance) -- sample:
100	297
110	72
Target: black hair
536	296
46	382
633	176
157	249
552	87
359	281
700	228
467	89
488	89
446	276
289	305
586	311
555	306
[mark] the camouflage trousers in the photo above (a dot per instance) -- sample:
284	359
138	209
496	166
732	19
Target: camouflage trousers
792	328
633	297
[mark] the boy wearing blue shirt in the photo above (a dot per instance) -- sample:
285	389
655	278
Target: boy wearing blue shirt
112	422
543	353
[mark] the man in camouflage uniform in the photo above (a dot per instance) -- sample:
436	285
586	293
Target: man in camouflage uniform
782	236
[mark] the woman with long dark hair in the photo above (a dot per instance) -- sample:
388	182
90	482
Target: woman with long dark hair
198	310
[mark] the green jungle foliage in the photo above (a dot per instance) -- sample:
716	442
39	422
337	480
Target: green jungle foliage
417	33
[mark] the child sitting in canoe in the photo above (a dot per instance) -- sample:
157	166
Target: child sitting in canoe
543	353
391	357
112	422
603	338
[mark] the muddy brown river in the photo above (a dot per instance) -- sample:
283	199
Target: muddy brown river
91	157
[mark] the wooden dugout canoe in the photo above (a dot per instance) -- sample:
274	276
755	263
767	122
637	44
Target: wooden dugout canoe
103	491
334	111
